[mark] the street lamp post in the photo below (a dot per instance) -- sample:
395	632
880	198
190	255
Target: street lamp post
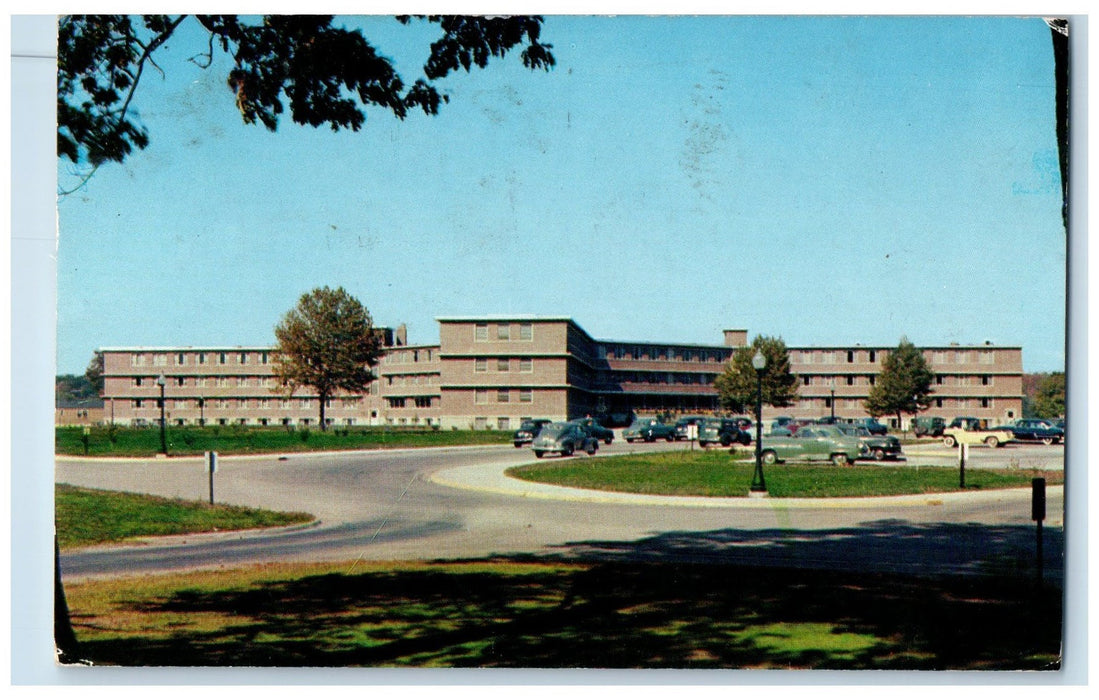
163	438
759	486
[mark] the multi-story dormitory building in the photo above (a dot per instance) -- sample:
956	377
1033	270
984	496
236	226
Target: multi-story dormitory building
490	372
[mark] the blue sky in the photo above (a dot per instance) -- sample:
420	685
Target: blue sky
826	180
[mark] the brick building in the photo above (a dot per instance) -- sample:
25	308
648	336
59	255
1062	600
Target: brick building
488	372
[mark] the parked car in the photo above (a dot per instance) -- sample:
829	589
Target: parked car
780	422
596	430
649	430
1036	430
814	442
928	426
681	425
872	425
564	439
967	430
528	430
876	447
722	430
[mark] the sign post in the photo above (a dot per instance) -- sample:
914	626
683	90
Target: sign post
211	467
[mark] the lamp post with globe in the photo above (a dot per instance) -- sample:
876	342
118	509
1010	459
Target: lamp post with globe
759	486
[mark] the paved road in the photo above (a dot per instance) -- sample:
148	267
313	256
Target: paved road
455	502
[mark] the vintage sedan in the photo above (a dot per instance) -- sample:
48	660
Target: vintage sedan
564	439
1036	430
649	430
876	447
812	442
725	431
596	430
528	430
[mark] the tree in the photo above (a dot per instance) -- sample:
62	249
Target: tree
325	74
326	342
93	374
737	384
1049	396
904	384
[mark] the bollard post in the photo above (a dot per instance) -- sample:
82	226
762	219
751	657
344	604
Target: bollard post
963	453
1038	514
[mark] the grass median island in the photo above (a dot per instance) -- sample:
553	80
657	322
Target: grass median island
114	441
718	474
544	614
90	516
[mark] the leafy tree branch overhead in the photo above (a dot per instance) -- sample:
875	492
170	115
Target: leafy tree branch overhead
321	73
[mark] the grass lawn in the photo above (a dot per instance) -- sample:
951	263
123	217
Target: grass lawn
236	439
716	473
547	614
87	516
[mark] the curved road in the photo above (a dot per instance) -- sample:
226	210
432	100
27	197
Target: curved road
451	503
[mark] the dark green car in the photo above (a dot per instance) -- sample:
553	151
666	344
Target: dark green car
812	443
649	430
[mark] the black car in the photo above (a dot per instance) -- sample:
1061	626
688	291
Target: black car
872	425
722	430
595	430
1036	430
876	447
528	430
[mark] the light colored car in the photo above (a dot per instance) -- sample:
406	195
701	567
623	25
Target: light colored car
812	442
564	439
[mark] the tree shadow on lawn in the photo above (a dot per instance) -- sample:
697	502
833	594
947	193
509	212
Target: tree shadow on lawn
720	599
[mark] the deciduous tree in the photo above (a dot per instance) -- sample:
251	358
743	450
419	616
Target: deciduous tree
904	384
327	342
737	384
1049	399
324	74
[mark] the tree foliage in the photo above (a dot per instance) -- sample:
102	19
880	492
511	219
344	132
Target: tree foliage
737	384
327	342
323	73
93	374
1049	396
904	384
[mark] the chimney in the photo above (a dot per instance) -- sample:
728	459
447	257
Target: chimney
736	338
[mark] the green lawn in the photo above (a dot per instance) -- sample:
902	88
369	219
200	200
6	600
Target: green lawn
236	439
545	614
717	473
88	516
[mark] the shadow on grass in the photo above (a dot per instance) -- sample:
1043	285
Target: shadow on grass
722	599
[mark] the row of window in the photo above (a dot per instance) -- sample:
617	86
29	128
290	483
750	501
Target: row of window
403	402
680	378
404	357
482	396
221	382
870	380
246	404
660	354
182	359
504	364
811	403
503	331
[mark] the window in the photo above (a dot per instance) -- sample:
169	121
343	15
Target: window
200	381
938	403
139	403
526	331
503	331
480	332
221	358
181	359
938	380
503	364
526	364
263	358
303	403
503	423
873	356
395	402
480	365
503	395
181	381
850	356
807	380
137	381
160	360
526	396
986	380
480	396
423	402
202	358
242	381
850	381
988	357
137	360
986	403
244	358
